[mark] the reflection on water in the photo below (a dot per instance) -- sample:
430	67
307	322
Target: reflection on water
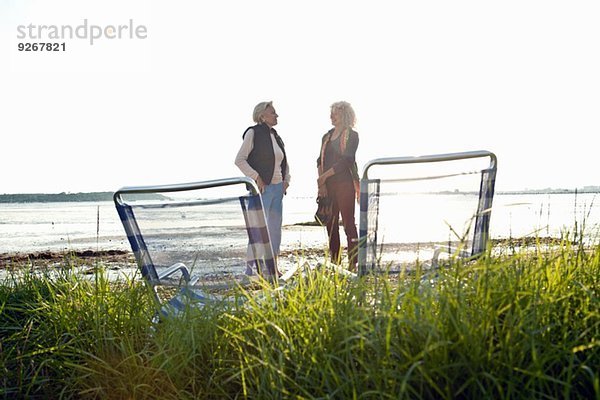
403	220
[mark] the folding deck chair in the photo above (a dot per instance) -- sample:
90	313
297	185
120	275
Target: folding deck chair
180	238
370	244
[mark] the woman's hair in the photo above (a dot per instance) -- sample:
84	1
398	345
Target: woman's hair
347	113
259	110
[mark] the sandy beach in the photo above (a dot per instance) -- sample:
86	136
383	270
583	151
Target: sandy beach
124	259
121	263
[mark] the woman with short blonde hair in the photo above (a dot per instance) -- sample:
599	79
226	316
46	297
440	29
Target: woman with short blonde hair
262	157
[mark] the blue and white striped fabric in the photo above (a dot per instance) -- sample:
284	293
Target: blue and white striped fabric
484	211
260	260
138	246
368	225
369	214
260	256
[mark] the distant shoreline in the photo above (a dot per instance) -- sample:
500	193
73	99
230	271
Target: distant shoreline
108	196
66	197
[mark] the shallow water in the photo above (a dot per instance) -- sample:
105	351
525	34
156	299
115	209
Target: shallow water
35	227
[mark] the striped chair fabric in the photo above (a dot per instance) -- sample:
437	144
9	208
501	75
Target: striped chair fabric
260	260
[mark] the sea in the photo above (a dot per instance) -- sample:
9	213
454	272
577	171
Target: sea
403	220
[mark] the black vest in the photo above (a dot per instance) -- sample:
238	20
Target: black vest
262	156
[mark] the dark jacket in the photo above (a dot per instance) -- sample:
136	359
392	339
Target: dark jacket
262	156
344	165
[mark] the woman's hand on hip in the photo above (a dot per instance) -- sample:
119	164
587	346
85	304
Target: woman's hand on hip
261	185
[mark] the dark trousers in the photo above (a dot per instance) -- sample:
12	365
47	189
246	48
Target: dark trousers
343	202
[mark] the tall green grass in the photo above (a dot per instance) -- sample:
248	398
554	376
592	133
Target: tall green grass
521	326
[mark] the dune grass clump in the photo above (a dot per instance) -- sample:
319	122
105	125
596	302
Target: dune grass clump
521	326
52	321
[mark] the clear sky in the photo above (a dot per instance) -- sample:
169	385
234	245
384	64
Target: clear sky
518	78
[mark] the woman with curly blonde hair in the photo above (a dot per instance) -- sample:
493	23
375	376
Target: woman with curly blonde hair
338	177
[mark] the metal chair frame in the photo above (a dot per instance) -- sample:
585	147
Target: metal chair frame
486	194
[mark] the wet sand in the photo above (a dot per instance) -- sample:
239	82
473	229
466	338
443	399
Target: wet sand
45	258
124	261
119	263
